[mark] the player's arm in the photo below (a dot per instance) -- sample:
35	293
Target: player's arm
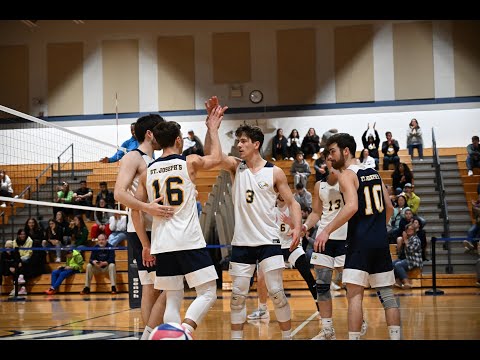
281	183
125	177
210	106
137	217
317	209
388	203
349	185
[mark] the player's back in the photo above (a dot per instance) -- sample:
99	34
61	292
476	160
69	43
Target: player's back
333	202
168	176
367	228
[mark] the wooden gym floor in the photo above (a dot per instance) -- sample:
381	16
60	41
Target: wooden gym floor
452	316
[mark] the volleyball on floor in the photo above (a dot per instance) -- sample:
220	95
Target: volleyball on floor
170	331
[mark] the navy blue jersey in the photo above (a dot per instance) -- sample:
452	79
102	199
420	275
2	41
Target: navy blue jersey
367	228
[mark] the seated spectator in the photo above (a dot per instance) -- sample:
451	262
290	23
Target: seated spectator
294	144
279	146
473	157
11	265
300	170
372	143
34	231
393	226
400	176
414	139
196	145
129	144
390	149
413	257
321	169
74	265
6	188
79	232
303	196
105	194
413	200
83	196
101	261
473	233
54	238
407	218
65	226
366	161
101	221
422	235
64	196
311	144
29	266
118	228
392	195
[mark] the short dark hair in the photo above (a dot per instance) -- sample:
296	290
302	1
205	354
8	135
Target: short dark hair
166	132
299	186
387	133
146	123
343	140
103	183
475	137
254	133
83	181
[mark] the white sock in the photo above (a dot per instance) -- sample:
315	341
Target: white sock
146	333
236	334
394	332
327	323
262	306
287	335
188	327
354	335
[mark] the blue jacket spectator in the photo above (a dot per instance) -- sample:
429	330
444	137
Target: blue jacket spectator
130	144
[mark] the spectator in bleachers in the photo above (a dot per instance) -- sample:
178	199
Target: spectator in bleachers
473	157
118	227
65	226
54	238
83	196
372	143
392	195
393	226
300	170
74	265
473	233
413	200
390	149
407	218
303	197
311	144
25	242
6	188
105	194
326	135
64	196
294	144
101	261
196	148
279	146
321	169
34	231
366	161
36	264
11	265
414	139
102	218
401	176
79	232
413	257
422	235
129	144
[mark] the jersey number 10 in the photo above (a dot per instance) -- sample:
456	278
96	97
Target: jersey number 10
376	191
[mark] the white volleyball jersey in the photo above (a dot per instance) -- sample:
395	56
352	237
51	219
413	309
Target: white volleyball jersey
254	199
147	218
285	239
333	202
168	176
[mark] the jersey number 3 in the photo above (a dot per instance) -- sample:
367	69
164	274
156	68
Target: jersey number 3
174	194
376	190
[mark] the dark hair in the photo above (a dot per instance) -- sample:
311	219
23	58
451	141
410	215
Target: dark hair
82	222
343	140
166	132
291	134
299	186
418	125
475	137
103	183
254	133
83	181
388	132
146	123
